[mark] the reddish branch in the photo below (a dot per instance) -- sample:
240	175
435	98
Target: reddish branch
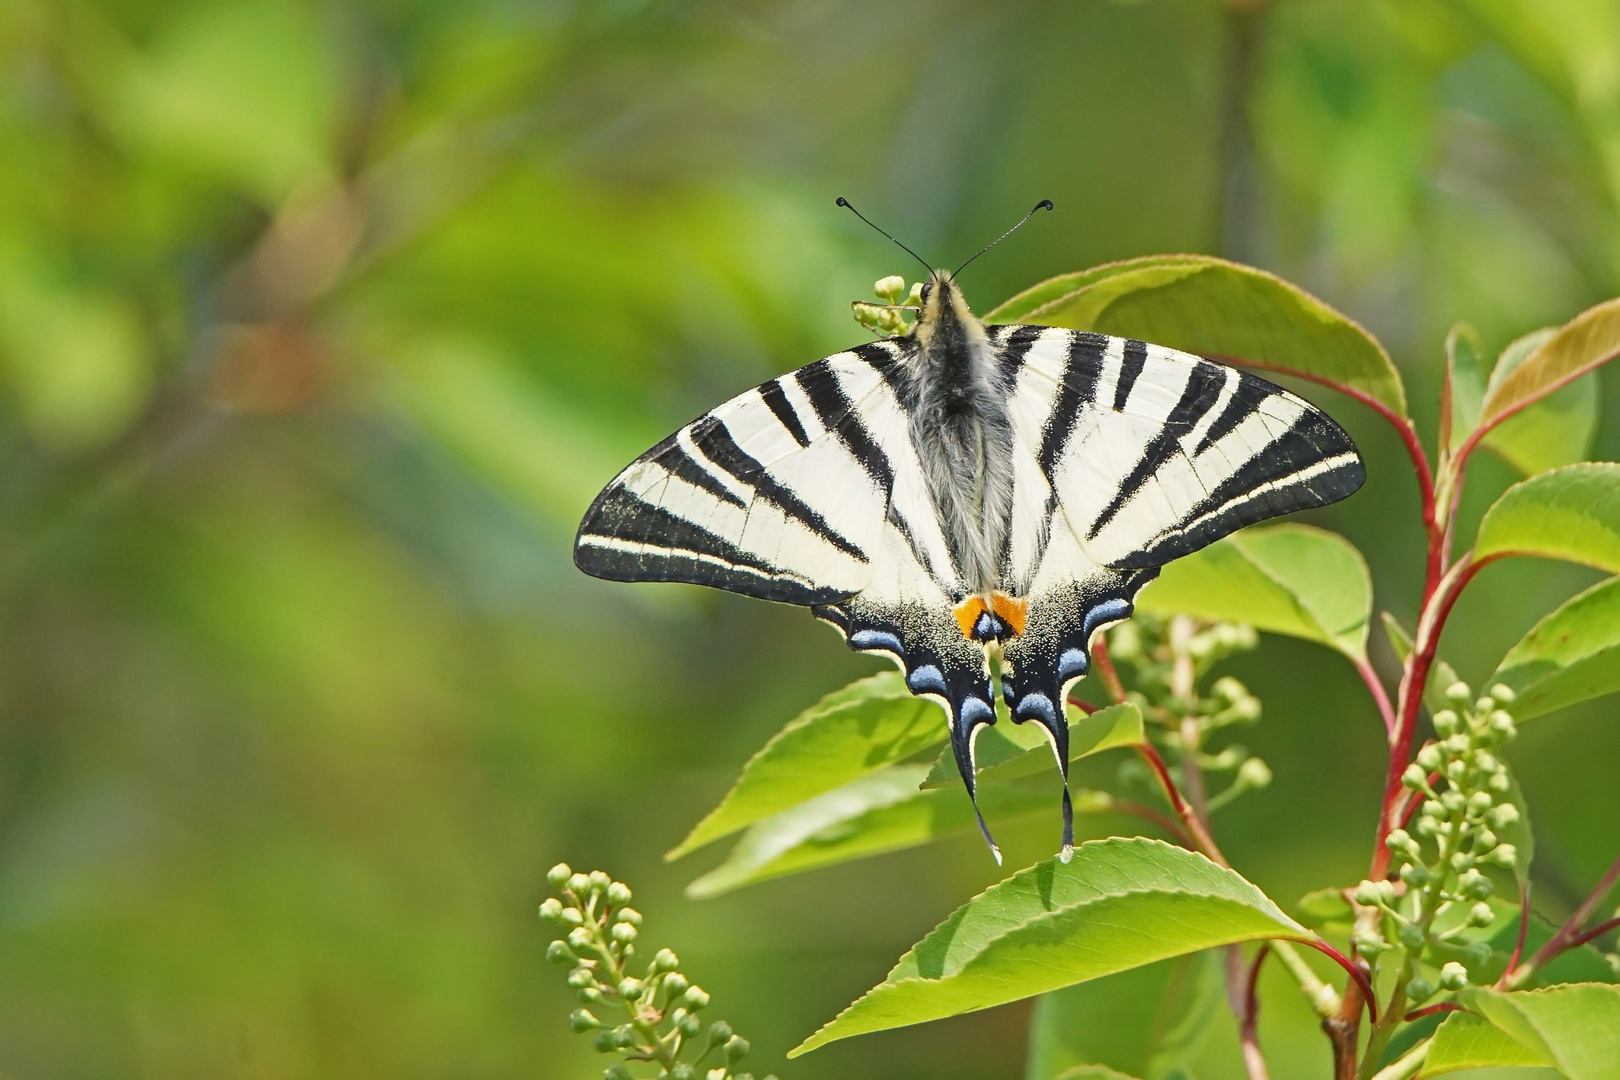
1104	666
1570	935
1253	1059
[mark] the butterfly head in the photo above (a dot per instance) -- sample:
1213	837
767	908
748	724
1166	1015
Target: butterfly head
945	314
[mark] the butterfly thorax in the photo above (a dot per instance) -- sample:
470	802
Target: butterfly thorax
962	433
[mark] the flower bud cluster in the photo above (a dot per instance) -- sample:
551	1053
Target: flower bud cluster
661	1006
1177	721
1464	786
889	317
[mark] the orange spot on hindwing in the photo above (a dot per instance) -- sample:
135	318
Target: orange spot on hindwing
1003	617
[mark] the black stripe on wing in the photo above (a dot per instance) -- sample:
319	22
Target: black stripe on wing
1312	464
714	440
1203	390
836	412
624	538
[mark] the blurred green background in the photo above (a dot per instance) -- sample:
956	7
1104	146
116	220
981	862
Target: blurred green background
321	323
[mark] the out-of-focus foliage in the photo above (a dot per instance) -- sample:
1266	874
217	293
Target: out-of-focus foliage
320	324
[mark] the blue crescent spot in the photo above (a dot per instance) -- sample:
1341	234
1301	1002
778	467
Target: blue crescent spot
875	639
926	680
1072	664
1106	612
1007	694
1036	706
975	711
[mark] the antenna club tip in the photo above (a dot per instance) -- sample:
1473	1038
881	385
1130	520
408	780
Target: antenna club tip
841	201
1044	204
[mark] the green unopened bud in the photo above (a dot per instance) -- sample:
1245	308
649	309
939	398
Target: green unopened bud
1415	776
1504	855
629	915
1475	885
624	932
1481	915
1368	943
581	977
1415	875
695	998
558	875
558	952
579	938
1457	744
1486	762
1484	705
1457	771
589	995
570	916
600	881
1368	894
1484	840
1399	840
1453	801
1411	936
1461	860
890	289
617	1071
1254	774
1433	808
682	1071
676	984
665	960
1429	758
1445	723
719	1032
1453	976
1480	801
1503	693
1459	692
1419	990
1246	709
604	1042
1502	724
551	909
1426	826
631	989
579	884
618	894
914	297
581	1020
736	1049
1229	690
689	1026
1500	782
1504	815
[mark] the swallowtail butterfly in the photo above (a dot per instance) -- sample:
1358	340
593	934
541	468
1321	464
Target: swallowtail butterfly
960	489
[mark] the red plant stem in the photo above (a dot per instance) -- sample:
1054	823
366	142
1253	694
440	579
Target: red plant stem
1567	935
1104	666
1253	1059
1413	681
1596	932
1084	706
1203	841
1518	946
1380	696
1163	821
1358	976
1430	1010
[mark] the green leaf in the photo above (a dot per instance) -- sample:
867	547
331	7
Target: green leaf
1467	382
1118	904
1441	674
1581	964
1322	908
1008	751
1466	1041
1579	346
875	814
1556	430
1572	513
1575	1027
1571	655
1290	579
1212	307
1093	1072
1101	1024
846	735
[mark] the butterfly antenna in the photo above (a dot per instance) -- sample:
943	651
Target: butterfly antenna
846	205
1044	204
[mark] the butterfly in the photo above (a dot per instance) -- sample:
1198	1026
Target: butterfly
961	492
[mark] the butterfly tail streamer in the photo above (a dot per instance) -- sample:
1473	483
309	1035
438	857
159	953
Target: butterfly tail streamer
965	723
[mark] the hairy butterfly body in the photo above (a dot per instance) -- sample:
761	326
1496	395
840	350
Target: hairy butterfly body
963	489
